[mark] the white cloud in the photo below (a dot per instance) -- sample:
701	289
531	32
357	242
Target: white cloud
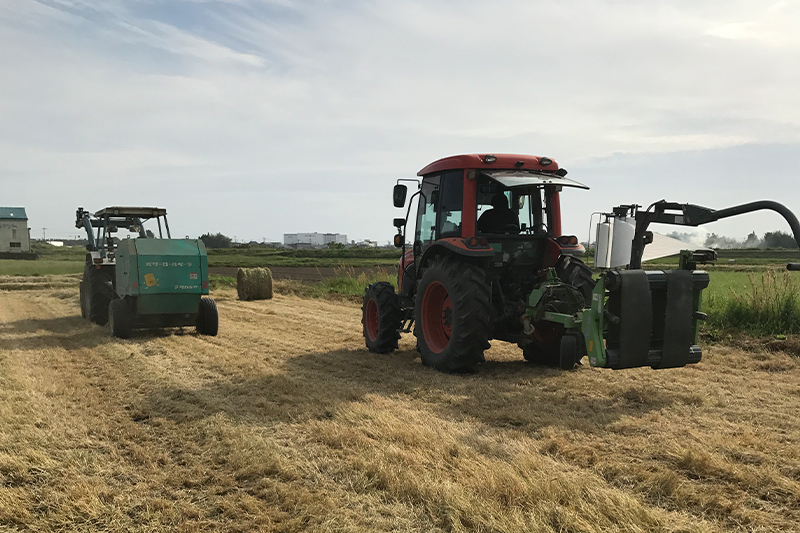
299	116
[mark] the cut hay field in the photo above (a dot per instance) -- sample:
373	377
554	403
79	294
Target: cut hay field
284	422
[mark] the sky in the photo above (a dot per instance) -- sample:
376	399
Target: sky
256	118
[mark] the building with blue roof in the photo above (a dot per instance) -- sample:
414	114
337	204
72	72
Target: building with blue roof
14	237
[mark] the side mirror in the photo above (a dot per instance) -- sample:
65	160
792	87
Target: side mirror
398	241
399	195
399	222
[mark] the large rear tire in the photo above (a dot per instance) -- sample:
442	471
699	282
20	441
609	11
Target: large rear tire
207	317
573	271
382	317
120	318
99	287
452	315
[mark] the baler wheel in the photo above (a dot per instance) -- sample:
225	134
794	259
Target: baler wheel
207	317
452	315
100	292
120	318
382	317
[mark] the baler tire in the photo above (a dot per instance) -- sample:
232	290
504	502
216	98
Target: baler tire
452	315
100	292
573	271
207	317
382	317
120	318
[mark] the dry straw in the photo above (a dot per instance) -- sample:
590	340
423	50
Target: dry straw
254	283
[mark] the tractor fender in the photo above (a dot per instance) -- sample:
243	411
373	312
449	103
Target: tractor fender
456	246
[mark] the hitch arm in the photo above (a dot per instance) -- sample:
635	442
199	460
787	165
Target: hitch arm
694	215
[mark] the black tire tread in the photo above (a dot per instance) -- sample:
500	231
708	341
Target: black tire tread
573	271
390	317
207	317
470	296
120	318
100	292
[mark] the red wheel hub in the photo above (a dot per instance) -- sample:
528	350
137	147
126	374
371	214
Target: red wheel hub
373	320
437	317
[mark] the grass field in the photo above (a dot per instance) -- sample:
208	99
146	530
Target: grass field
284	422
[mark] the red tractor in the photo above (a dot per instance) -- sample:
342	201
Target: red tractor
488	236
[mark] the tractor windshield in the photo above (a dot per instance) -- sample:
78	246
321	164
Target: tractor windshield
518	202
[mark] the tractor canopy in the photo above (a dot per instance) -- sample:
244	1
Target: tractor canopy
525	178
494	162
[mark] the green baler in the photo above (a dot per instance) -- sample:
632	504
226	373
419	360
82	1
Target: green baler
144	282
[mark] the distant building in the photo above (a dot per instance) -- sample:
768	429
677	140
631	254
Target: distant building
312	239
14	238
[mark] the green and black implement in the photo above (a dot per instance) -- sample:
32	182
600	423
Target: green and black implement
143	281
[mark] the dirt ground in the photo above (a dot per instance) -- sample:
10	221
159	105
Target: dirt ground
284	422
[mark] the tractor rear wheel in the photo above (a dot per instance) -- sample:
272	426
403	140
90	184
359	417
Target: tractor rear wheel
120	318
207	317
573	271
452	315
99	288
382	317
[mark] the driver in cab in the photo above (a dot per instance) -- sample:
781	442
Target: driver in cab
500	218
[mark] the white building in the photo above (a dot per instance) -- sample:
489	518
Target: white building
14	238
313	239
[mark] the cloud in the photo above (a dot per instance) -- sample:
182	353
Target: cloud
286	116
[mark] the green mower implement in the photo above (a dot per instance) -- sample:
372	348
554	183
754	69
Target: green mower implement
143	281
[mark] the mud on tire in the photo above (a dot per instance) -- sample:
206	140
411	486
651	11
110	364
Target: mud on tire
452	315
381	317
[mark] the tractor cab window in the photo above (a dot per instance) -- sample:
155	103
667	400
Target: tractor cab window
426	212
452	192
497	213
512	211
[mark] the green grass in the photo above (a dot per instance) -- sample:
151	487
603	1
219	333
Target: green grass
756	303
39	267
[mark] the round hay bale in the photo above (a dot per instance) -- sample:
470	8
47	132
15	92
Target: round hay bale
254	283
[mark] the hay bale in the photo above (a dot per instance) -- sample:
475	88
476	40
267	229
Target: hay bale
254	283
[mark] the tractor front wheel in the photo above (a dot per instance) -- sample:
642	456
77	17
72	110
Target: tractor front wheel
382	317
120	318
207	317
452	315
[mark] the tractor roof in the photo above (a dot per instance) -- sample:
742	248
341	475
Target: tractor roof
490	161
140	212
512	170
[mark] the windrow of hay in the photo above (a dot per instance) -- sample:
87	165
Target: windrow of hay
254	283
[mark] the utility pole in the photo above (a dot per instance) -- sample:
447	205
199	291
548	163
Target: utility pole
44	235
